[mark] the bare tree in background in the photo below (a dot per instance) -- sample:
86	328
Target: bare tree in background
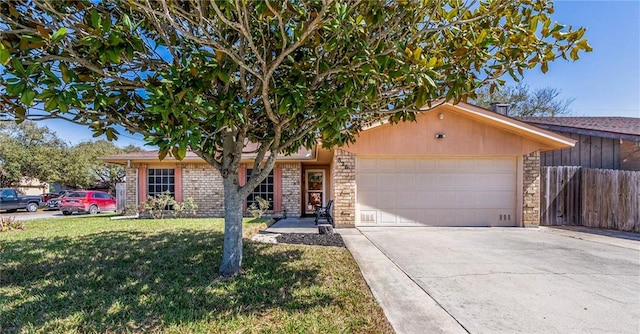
524	102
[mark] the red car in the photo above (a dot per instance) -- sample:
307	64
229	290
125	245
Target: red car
91	201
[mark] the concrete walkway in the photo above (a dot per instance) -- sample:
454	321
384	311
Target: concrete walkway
293	225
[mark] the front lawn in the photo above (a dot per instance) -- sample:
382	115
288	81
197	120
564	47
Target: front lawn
90	274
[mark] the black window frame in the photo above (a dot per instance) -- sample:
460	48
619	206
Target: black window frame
159	180
266	189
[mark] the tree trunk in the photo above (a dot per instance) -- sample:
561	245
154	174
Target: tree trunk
232	249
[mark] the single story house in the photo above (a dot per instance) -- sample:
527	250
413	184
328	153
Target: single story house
32	187
601	142
457	165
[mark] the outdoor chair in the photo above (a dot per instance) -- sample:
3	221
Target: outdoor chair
325	212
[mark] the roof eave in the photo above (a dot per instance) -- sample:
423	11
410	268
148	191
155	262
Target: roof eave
554	140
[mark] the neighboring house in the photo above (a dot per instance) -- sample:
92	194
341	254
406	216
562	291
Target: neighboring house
455	166
602	142
32	187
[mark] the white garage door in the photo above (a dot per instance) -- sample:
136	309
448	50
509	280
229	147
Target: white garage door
436	191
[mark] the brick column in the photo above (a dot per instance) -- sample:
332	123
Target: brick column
131	200
291	196
531	190
343	174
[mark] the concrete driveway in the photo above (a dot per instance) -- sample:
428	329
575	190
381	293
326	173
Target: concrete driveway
492	280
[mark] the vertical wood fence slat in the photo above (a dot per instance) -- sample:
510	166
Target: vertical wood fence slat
121	196
590	197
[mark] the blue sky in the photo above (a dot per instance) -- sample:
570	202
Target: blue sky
605	82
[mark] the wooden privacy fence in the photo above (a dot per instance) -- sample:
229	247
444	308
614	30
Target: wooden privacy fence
121	197
598	198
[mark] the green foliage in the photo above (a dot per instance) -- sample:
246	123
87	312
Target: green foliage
331	67
30	152
186	208
10	224
213	76
258	208
84	167
158	206
36	152
541	102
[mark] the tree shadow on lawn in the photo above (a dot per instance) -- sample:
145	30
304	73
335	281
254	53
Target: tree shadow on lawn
129	280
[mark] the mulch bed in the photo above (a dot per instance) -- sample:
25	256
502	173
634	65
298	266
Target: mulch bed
334	240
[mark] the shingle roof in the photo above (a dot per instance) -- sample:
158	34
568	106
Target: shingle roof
613	127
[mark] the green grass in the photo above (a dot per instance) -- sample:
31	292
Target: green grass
93	275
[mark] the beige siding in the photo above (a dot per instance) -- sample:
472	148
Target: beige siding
463	136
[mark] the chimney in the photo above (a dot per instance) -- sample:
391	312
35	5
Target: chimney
500	108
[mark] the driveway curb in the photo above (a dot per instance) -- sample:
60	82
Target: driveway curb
408	308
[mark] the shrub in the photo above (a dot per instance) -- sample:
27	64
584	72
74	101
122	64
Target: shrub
10	223
164	204
258	207
157	206
186	208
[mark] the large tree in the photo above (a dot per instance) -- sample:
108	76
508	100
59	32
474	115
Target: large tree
524	102
84	169
28	151
211	76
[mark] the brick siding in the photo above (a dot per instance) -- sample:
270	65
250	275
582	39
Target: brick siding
203	183
291	197
531	189
131	200
343	174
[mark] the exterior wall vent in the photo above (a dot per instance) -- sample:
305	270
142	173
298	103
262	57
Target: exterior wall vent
368	217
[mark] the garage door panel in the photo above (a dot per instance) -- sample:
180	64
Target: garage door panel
386	165
406	165
406	199
386	199
365	165
426	164
387	181
437	199
437	191
405	181
386	217
367	181
443	181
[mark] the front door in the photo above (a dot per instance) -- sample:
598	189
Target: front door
315	185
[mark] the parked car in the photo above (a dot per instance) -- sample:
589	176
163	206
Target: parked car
49	196
46	197
54	203
11	201
91	201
